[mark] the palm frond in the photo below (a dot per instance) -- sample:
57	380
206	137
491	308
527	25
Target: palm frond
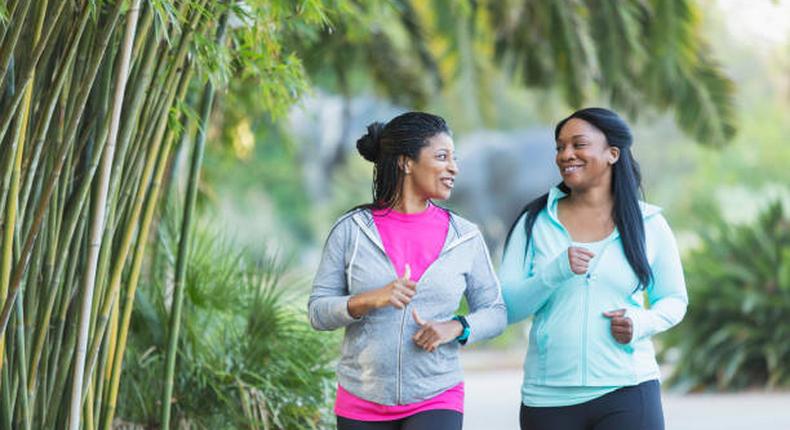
640	54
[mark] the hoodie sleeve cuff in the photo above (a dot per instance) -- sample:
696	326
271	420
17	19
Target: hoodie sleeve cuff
558	270
333	313
637	317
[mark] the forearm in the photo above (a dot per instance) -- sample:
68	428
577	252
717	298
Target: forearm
359	305
525	296
662	316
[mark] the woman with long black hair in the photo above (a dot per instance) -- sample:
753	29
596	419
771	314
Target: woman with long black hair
600	273
393	273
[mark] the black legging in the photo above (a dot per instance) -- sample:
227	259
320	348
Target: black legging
438	419
634	408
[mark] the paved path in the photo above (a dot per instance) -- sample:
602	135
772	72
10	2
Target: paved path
492	400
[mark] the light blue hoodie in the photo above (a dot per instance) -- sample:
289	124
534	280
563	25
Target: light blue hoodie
570	343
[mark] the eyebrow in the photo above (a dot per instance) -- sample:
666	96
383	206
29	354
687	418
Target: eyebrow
574	137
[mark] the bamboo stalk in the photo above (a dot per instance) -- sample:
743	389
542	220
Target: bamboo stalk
16	175
8	114
150	208
10	45
139	198
127	238
19	268
10	219
7	14
97	228
62	73
22	369
186	225
6	396
70	223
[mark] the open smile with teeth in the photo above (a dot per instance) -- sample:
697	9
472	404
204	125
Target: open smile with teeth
571	169
448	182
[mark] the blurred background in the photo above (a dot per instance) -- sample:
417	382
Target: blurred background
160	236
706	87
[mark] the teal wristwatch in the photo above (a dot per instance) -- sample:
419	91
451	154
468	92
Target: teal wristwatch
464	334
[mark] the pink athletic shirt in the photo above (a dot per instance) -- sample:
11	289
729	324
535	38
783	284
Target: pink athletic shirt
414	239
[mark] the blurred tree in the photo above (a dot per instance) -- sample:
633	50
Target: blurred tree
464	56
637	54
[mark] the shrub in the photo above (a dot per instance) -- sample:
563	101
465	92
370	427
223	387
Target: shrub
247	358
736	333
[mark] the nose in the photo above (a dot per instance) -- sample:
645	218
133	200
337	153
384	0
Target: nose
452	166
566	153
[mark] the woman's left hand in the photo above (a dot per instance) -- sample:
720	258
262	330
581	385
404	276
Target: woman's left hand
622	327
434	333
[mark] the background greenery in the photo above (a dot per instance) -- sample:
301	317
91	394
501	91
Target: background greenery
240	116
735	334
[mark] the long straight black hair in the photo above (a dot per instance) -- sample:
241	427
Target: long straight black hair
626	189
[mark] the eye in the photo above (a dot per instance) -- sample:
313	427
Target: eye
441	157
559	148
578	145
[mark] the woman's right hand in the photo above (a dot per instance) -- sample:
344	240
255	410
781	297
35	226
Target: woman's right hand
397	293
579	259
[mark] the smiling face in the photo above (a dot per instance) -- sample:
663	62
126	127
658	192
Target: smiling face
432	174
584	158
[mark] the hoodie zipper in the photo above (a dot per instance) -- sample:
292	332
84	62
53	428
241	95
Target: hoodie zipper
447	249
373	237
587	279
399	375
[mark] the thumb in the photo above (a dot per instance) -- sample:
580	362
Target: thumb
615	313
420	322
407	272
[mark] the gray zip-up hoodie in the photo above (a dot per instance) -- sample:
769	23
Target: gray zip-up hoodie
380	362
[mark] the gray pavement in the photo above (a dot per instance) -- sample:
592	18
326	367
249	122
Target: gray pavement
492	401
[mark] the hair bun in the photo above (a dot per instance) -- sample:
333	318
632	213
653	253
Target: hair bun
369	145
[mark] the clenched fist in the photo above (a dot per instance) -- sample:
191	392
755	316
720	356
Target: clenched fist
579	259
621	326
434	333
397	293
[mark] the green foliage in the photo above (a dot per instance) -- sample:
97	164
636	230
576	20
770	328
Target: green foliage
737	330
635	53
247	358
380	43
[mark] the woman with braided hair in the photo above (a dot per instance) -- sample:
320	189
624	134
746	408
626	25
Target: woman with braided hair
393	273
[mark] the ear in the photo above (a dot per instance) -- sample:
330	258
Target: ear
614	154
404	164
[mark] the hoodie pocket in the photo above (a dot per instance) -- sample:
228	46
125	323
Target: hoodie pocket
609	360
353	342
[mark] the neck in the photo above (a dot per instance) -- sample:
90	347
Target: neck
410	204
599	198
